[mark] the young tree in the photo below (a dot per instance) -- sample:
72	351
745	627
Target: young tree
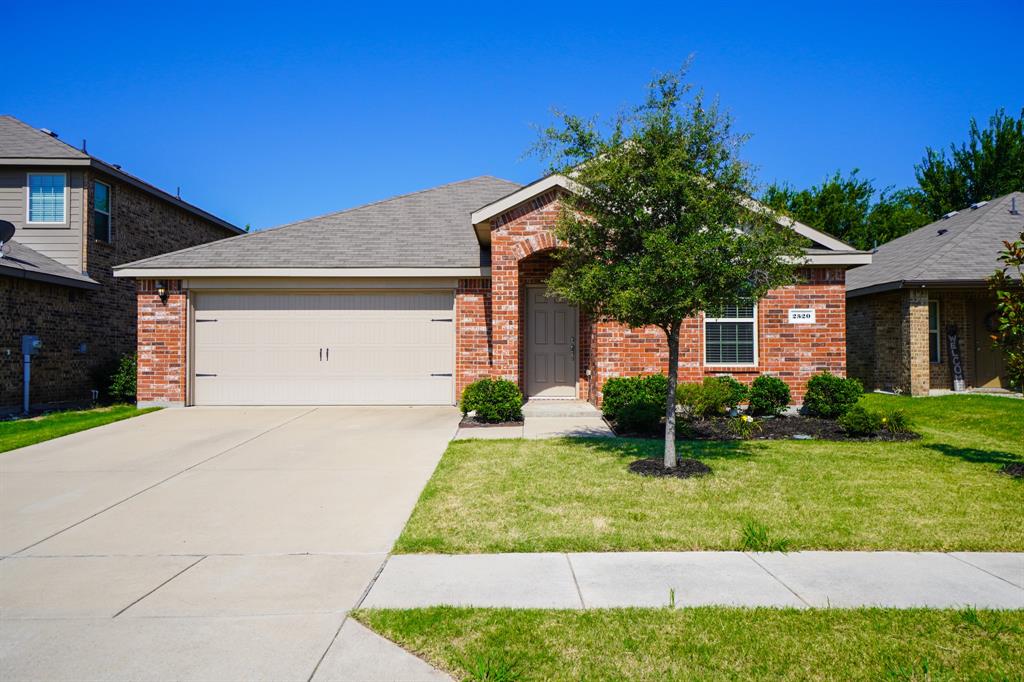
661	226
1008	285
988	165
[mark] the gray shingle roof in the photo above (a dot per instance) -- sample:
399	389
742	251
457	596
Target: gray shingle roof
21	261
965	252
426	229
21	141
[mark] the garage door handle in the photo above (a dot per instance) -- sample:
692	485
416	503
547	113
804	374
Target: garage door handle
205	320
205	375
441	374
328	355
321	355
440	319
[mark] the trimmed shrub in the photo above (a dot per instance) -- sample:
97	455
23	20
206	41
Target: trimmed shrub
737	391
493	400
768	395
858	421
640	418
122	385
896	420
830	396
714	397
618	392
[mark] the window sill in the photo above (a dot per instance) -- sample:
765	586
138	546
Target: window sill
736	369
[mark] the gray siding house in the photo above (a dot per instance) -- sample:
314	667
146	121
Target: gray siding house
76	217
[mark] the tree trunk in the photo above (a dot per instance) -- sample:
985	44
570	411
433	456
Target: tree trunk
670	406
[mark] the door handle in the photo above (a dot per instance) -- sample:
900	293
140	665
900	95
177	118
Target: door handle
321	355
328	355
572	346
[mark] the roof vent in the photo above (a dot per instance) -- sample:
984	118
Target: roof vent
978	204
49	132
1013	206
116	165
950	214
942	231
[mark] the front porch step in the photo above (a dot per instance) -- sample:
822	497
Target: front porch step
559	408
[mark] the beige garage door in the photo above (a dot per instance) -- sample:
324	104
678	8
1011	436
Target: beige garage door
323	349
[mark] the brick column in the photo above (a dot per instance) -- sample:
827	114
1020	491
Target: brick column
162	344
914	370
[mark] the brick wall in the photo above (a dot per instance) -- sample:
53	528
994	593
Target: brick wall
103	320
522	242
162	344
888	338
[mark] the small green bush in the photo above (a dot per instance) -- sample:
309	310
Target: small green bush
121	387
896	420
618	392
830	396
640	418
858	421
714	397
737	391
493	400
768	395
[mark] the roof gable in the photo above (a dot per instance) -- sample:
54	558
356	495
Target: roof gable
19	140
961	249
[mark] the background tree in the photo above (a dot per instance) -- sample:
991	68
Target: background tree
988	165
661	226
846	208
1008	286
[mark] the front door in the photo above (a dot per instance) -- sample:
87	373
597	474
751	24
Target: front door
989	365
551	343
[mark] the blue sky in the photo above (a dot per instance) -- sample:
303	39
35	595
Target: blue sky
267	115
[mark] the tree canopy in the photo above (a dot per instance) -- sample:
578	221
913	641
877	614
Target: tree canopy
661	226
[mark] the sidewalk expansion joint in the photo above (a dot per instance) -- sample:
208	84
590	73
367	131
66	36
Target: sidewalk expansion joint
777	579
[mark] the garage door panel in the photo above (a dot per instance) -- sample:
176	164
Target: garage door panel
307	349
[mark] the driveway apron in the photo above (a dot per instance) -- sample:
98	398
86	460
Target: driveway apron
208	543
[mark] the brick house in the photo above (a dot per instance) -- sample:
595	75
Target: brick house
406	301
75	218
923	301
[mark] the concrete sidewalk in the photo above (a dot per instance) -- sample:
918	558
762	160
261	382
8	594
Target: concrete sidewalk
653	579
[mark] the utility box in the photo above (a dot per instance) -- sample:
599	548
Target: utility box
30	345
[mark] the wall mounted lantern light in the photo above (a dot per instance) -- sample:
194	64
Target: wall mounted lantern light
161	291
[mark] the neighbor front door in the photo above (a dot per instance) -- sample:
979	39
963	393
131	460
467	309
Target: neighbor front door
551	346
989	366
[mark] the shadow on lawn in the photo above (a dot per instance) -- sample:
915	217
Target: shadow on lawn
974	455
639	448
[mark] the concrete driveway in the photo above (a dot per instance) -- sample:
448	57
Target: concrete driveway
209	543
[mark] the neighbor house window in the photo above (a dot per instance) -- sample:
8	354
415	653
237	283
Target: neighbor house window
731	338
101	211
934	338
47	198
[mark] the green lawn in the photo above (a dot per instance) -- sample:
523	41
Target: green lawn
940	493
18	434
710	643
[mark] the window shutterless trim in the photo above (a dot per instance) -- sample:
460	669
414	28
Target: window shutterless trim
28	199
109	212
704	340
937	359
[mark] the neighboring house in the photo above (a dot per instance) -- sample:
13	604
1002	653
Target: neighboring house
76	217
406	301
925	289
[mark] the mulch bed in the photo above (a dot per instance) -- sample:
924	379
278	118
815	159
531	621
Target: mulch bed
777	428
685	468
471	423
1014	469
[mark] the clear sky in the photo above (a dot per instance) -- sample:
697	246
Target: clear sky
268	115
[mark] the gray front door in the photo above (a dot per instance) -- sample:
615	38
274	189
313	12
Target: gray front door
551	343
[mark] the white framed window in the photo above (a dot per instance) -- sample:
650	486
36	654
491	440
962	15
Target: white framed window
47	199
934	337
101	211
731	338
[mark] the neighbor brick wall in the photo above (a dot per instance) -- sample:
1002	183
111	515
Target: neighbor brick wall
521	244
162	343
883	355
105	319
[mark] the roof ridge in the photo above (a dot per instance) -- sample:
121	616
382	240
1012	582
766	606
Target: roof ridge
378	202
